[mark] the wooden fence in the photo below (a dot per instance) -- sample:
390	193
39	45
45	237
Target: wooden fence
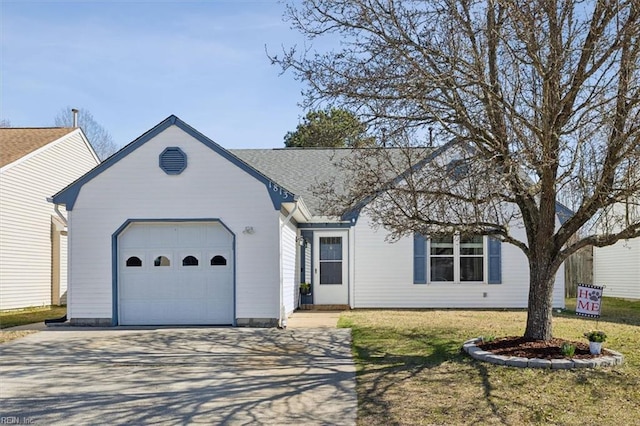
578	268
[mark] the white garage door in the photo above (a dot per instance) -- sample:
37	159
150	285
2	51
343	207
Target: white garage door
175	273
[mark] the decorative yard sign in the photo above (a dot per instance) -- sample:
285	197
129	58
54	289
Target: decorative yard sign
589	300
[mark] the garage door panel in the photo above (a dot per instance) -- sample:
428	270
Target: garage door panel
220	235
132	235
133	288
176	294
192	235
161	236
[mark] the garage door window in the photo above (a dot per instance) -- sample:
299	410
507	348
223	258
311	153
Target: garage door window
162	261
134	261
190	261
218	261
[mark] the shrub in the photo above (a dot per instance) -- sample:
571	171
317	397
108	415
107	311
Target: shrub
596	336
568	349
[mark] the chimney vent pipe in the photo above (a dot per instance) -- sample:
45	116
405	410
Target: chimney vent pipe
75	117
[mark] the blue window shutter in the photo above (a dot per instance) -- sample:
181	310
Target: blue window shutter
419	259
495	261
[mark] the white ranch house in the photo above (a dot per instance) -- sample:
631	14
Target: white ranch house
35	163
174	229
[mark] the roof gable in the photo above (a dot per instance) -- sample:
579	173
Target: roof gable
277	192
18	142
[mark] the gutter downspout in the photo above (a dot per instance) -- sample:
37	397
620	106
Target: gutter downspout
56	208
282	320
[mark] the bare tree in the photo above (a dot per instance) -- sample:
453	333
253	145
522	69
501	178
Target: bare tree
98	136
5	123
538	99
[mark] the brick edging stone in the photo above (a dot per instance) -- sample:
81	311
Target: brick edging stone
471	347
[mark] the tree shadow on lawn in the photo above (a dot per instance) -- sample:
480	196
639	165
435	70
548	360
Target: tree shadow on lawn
388	379
380	371
578	396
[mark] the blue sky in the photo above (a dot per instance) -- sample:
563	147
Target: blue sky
133	63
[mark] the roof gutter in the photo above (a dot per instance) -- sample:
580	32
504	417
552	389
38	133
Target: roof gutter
56	208
282	320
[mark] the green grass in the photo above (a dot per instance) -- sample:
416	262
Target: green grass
30	316
410	370
619	310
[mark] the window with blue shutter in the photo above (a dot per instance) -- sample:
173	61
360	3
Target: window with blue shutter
495	261
419	259
173	161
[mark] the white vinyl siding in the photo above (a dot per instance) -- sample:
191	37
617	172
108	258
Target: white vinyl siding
289	287
25	218
384	277
210	187
618	268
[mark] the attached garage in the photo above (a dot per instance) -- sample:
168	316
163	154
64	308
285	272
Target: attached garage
175	273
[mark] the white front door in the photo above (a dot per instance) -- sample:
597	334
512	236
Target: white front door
331	268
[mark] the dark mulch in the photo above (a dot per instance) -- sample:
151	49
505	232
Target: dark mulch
521	347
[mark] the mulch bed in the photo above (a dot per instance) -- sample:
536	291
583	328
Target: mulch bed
525	348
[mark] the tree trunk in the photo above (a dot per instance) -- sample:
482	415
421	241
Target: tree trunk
540	313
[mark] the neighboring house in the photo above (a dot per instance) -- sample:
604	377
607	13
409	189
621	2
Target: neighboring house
175	229
617	267
35	163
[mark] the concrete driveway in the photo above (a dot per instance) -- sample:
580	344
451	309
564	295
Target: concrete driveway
179	376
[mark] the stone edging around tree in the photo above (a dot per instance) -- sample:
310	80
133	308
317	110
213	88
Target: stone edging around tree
470	347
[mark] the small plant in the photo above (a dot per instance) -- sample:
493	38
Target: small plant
596	336
305	288
488	339
568	349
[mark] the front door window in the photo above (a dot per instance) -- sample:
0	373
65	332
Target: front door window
330	260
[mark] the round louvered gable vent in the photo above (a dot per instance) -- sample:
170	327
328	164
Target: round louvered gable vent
173	161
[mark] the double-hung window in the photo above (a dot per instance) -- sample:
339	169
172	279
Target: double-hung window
471	258
456	259
441	259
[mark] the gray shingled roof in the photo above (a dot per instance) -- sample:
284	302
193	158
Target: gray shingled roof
298	170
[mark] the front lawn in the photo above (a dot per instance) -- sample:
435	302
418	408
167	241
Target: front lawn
30	315
411	370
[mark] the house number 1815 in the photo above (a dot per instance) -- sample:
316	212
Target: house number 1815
275	188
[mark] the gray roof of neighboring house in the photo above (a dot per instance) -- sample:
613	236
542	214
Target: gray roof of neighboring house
299	170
